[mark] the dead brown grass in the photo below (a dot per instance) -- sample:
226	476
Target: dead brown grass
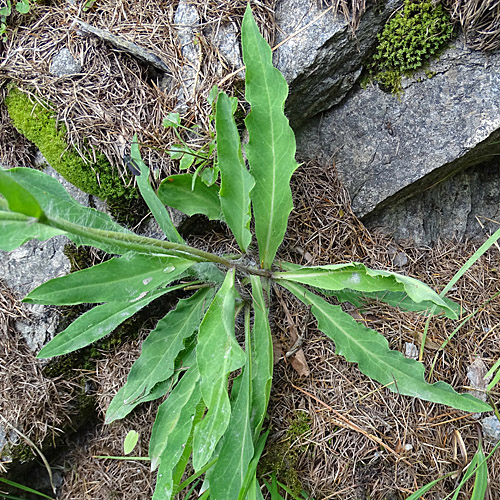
480	21
31	404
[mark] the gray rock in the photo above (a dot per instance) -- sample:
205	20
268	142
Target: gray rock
131	48
64	64
451	209
476	372
187	21
389	149
491	428
411	350
322	62
32	264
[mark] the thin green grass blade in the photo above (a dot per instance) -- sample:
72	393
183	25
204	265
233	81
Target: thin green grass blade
481	479
55	202
159	352
422	491
96	324
261	358
190	195
236	181
355	276
470	262
371	352
228	474
127	278
153	202
24	488
218	354
271	146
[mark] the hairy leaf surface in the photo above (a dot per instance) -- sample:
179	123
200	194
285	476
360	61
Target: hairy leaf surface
96	324
127	278
236	181
57	203
218	353
370	350
155	205
159	352
176	191
355	276
271	146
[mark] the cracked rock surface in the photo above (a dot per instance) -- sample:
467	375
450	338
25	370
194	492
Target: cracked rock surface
406	160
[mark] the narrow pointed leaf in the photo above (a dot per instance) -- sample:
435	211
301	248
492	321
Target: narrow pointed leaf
176	192
124	279
395	299
371	352
55	202
96	324
155	205
218	354
181	403
236	181
229	472
159	352
261	358
271	146
355	276
20	200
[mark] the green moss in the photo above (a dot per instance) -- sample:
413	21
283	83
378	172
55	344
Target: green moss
281	458
408	41
38	124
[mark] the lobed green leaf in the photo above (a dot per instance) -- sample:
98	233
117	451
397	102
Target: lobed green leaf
124	279
218	353
271	146
400	300
371	352
236	181
159	352
190	195
96	324
355	276
55	202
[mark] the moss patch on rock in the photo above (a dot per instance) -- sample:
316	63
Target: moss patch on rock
420	31
282	457
38	124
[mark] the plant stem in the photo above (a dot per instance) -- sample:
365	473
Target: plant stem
132	241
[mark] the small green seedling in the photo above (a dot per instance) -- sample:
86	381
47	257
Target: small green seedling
215	425
130	442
